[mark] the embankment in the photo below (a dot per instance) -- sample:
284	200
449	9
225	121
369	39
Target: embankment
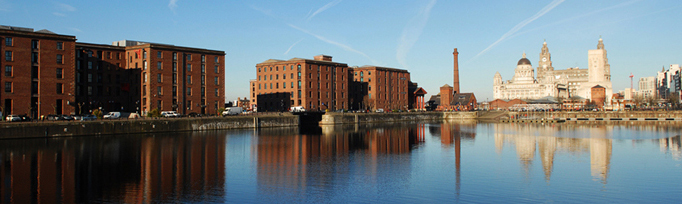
356	118
113	127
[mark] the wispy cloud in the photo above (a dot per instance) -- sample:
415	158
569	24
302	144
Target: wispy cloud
61	8
523	23
325	7
578	17
345	47
292	46
267	12
65	7
172	5
76	30
411	33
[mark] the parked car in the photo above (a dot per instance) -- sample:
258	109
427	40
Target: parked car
170	114
53	117
380	110
85	117
25	118
66	117
13	118
194	115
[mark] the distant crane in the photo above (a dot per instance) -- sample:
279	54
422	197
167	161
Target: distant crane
631	81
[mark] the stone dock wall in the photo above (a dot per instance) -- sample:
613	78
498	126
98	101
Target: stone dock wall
114	127
568	115
355	118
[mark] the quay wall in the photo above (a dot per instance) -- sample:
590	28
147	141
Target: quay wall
354	118
113	127
598	114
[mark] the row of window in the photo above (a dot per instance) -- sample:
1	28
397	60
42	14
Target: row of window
35	44
9	56
59	87
159	66
310	94
9	72
284	68
216	80
159	91
159	55
284	85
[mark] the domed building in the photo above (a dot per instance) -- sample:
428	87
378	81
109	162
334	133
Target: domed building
523	85
555	83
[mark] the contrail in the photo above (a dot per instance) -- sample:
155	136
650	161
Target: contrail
523	23
578	16
411	33
287	52
325	7
345	47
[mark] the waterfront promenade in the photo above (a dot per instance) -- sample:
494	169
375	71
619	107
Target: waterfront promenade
128	126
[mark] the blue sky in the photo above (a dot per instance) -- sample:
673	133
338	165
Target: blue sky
640	36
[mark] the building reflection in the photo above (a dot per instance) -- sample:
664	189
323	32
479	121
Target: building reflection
526	137
287	161
671	146
452	133
595	138
131	169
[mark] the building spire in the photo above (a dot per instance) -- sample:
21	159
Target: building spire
601	43
524	54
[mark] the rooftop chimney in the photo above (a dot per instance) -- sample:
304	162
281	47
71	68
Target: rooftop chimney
323	58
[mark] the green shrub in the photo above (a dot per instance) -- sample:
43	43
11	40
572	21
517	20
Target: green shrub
154	113
98	113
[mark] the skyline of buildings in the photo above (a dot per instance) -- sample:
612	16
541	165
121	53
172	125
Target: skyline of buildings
47	73
571	82
321	84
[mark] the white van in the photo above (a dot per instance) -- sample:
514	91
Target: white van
297	109
112	115
232	111
169	114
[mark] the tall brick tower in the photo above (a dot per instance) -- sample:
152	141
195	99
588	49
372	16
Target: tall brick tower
455	83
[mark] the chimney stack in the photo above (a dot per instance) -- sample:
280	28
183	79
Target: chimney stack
455	82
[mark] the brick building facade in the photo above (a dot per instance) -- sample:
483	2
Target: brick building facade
380	87
47	73
177	78
102	80
317	84
38	72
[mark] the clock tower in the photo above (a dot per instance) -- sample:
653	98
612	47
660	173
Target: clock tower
545	64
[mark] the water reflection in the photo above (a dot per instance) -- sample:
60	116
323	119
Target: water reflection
452	133
575	139
129	169
360	163
292	163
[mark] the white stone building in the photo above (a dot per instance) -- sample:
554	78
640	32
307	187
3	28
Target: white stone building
556	83
647	87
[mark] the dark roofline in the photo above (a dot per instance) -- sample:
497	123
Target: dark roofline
365	67
99	46
299	60
26	33
173	47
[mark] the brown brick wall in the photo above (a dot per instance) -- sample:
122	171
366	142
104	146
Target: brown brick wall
183	102
45	102
324	85
388	87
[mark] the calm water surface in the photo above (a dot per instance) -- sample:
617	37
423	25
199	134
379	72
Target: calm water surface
468	162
